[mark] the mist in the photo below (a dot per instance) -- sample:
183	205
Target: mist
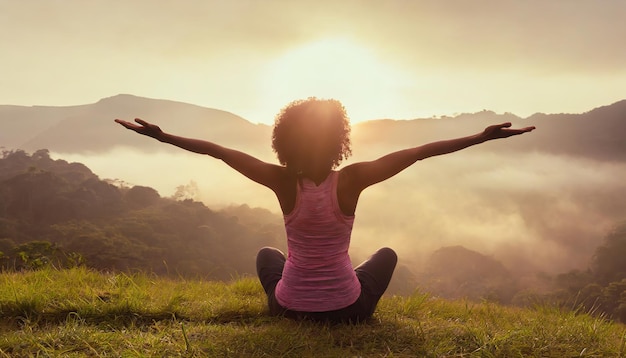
534	212
218	184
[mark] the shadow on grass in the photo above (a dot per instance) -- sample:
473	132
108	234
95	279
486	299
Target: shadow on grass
15	316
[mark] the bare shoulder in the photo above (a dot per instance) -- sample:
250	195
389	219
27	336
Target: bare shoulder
350	177
345	176
285	189
348	189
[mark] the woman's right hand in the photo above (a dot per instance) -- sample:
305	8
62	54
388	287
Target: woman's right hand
503	131
145	128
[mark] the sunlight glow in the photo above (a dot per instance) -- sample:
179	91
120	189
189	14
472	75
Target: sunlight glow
336	68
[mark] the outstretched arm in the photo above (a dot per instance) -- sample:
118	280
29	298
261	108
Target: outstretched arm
361	175
259	171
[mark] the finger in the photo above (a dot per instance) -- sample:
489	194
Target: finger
523	130
526	129
505	125
124	123
141	121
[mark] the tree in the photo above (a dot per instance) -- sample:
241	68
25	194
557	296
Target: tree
590	298
574	281
189	191
141	196
41	154
35	254
608	264
614	300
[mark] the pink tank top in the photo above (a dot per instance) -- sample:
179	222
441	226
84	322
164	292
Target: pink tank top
318	275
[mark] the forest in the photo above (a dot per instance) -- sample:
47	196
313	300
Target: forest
57	213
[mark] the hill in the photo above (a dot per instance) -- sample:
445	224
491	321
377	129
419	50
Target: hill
457	272
80	312
52	211
598	134
89	128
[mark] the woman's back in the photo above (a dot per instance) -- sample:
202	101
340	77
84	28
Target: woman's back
318	275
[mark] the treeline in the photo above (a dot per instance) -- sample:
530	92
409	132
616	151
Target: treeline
60	213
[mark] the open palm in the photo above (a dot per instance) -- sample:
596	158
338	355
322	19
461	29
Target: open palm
503	131
143	127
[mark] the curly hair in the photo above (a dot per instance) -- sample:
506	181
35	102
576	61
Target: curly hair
304	120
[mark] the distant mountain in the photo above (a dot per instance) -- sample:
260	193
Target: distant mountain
20	124
90	128
598	134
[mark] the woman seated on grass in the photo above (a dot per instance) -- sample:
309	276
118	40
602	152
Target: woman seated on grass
311	137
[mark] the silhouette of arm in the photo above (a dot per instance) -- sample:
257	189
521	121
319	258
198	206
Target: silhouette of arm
364	174
257	170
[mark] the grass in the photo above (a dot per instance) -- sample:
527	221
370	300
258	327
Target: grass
79	312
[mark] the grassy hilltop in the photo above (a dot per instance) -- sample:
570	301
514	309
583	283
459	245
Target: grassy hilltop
80	312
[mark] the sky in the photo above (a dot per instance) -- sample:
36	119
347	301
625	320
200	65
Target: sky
383	59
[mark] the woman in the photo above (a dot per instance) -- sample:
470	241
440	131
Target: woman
311	137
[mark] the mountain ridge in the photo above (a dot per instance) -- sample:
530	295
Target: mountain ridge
596	133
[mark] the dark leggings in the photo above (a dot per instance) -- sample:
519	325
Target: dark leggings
374	275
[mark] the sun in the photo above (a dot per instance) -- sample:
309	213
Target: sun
337	68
